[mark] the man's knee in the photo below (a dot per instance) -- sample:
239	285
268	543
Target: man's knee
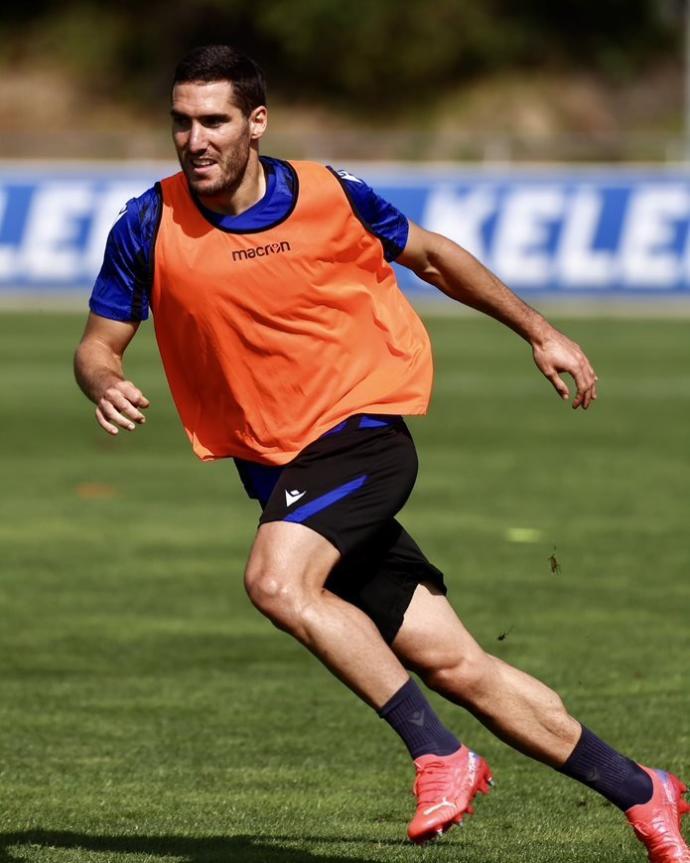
272	593
281	595
286	572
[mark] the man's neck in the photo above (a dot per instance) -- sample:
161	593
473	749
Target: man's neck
250	189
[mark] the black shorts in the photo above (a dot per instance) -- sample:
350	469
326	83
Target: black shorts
348	486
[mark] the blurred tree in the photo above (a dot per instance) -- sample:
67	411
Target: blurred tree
363	55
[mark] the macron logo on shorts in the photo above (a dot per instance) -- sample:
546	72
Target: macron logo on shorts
293	496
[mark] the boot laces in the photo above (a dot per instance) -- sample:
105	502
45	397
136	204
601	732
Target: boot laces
434	780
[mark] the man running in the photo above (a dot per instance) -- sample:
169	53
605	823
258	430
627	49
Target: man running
289	347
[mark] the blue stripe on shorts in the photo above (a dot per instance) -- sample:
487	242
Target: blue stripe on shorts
325	500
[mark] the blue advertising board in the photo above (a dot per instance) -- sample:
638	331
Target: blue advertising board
574	232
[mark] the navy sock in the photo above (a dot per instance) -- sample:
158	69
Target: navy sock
616	777
413	718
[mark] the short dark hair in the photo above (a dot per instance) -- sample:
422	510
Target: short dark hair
223	63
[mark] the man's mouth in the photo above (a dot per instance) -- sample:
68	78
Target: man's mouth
201	165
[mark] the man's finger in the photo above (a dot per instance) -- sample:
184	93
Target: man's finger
127	390
580	398
103	423
577	401
559	385
586	389
134	395
127	399
589	396
113	415
126	408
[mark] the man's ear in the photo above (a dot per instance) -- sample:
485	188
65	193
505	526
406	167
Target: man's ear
258	120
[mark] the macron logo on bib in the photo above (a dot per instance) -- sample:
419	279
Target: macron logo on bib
261	251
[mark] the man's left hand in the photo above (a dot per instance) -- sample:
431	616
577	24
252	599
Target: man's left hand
556	353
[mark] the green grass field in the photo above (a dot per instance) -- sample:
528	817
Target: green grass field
148	713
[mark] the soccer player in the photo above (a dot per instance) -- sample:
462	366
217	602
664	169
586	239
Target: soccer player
288	346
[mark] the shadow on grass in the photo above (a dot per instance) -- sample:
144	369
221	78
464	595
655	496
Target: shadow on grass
207	849
38	844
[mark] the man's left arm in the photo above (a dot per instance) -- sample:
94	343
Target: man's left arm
457	273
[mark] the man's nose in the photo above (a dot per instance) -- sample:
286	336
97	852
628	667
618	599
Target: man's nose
197	138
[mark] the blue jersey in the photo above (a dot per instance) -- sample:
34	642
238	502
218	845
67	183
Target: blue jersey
122	288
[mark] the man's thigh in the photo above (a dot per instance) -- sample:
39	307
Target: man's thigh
290	554
382	576
347	487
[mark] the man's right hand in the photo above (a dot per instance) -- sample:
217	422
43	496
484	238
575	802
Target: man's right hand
119	407
98	370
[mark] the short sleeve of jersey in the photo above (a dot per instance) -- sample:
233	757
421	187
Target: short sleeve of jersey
122	288
380	217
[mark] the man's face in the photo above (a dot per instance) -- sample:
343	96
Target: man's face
212	136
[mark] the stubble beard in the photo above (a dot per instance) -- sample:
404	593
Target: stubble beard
232	170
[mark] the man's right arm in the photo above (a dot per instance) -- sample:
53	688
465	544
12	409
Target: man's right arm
99	372
119	301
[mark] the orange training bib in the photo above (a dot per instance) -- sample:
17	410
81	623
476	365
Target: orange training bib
269	339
